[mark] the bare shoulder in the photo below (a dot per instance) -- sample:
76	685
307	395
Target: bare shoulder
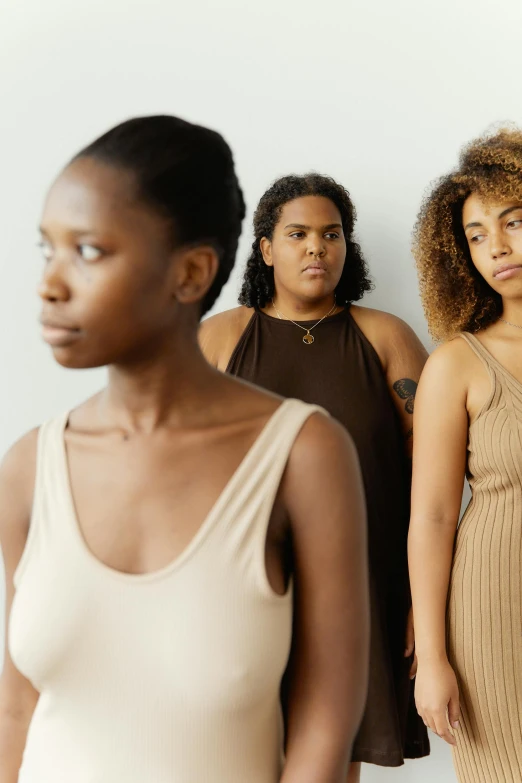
323	470
452	356
17	479
220	333
390	335
451	368
381	324
321	443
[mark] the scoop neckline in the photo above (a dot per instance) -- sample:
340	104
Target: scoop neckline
201	533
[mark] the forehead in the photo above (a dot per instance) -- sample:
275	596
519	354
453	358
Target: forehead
89	194
478	210
309	211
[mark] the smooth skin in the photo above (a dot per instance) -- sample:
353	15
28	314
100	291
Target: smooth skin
454	387
309	232
149	455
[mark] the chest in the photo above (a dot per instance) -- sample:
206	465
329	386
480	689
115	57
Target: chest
338	372
139	502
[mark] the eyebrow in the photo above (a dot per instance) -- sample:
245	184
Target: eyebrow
502	214
325	228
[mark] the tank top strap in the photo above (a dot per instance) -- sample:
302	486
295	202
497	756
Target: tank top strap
250	496
495	368
478	349
49	500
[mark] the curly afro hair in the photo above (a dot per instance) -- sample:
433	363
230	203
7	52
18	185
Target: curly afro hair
455	296
258	281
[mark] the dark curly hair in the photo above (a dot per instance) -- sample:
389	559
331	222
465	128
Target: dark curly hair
455	296
186	172
258	282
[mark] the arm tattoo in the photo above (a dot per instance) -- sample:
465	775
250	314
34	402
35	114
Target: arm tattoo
406	389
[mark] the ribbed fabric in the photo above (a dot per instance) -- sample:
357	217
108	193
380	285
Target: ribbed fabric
168	677
485	600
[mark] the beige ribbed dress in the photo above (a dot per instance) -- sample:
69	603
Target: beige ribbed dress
485	600
167	677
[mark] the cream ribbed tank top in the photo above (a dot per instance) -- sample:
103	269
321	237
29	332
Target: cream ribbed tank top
168	677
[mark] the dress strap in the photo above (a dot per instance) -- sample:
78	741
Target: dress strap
477	348
245	508
47	487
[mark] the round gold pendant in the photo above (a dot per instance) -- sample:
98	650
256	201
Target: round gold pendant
308	338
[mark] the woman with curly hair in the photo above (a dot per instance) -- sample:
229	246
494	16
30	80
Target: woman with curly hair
467	594
298	333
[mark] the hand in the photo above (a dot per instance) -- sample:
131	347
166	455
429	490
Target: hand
410	644
437	698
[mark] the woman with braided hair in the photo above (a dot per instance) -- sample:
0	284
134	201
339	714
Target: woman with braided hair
298	333
467	588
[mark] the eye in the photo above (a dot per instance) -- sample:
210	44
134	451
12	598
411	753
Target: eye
46	248
89	252
297	234
514	223
332	235
475	239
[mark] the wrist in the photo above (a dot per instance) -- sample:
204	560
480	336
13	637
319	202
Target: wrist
431	656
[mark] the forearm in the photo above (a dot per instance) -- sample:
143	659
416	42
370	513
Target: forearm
13	735
430	554
320	756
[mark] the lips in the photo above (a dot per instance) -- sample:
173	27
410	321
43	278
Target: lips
58	332
317	267
505	271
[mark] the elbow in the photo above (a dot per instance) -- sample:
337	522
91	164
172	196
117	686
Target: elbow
439	522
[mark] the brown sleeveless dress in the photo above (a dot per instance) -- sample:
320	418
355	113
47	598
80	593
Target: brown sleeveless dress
341	372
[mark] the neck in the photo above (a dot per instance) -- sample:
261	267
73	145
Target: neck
170	383
512	311
301	310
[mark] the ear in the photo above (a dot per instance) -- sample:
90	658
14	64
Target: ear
195	271
265	246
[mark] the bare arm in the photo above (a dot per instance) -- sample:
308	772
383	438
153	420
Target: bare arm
439	461
17	696
219	335
402	356
328	669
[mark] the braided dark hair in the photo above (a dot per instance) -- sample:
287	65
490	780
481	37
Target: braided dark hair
258	286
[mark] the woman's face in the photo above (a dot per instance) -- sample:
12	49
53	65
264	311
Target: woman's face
109	276
308	248
494	234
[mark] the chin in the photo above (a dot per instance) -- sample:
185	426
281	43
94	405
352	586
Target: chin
317	289
75	360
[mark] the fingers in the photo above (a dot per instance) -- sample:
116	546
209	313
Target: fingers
410	636
443	727
439	723
454	711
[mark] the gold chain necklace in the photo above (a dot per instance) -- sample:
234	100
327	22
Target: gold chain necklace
509	323
308	338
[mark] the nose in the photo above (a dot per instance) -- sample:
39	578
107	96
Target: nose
315	246
52	286
499	246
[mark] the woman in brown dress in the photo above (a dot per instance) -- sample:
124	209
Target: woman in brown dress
466	582
298	333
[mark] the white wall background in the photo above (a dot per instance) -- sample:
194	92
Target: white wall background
378	94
